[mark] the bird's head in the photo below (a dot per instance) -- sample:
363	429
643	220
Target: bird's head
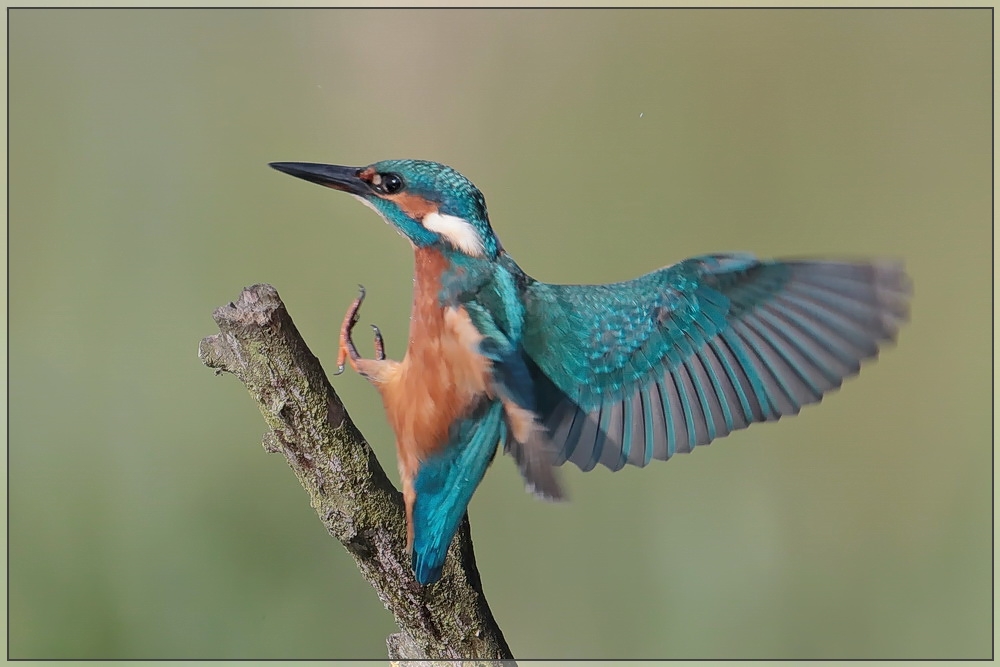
428	203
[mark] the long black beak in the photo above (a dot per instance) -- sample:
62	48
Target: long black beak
330	175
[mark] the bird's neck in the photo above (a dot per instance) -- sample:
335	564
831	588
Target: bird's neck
449	273
444	279
429	266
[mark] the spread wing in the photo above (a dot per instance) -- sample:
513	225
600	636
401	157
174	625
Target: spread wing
641	370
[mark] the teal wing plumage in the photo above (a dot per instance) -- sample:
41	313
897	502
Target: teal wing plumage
630	372
445	484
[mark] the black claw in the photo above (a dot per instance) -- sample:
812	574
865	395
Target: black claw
379	344
340	369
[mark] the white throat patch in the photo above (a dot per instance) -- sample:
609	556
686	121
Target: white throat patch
459	232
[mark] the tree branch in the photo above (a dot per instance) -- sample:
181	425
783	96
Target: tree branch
258	343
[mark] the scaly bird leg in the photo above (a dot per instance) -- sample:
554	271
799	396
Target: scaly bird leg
347	348
375	370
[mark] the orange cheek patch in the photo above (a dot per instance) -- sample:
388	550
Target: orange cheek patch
412	205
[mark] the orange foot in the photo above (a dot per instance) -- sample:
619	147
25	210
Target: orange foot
348	351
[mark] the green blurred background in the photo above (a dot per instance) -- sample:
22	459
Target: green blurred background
145	519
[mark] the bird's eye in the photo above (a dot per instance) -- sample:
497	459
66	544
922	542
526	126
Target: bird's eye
391	183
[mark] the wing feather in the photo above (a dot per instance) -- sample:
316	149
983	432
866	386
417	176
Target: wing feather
628	432
588	444
719	420
690	353
742	387
614	454
730	401
686	393
666	413
642	429
604	435
757	376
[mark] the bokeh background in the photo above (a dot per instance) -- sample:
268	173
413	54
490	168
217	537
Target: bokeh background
145	519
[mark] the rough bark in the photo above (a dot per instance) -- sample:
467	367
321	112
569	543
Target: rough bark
258	343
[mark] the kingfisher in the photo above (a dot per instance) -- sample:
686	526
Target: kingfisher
617	374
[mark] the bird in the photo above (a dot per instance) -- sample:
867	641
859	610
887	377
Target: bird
611	374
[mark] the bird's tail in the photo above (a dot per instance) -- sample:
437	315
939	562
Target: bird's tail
445	483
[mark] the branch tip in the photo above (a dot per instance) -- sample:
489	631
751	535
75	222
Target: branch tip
259	344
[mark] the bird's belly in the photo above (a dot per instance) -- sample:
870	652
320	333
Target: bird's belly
441	379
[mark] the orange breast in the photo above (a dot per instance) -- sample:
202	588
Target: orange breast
441	377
